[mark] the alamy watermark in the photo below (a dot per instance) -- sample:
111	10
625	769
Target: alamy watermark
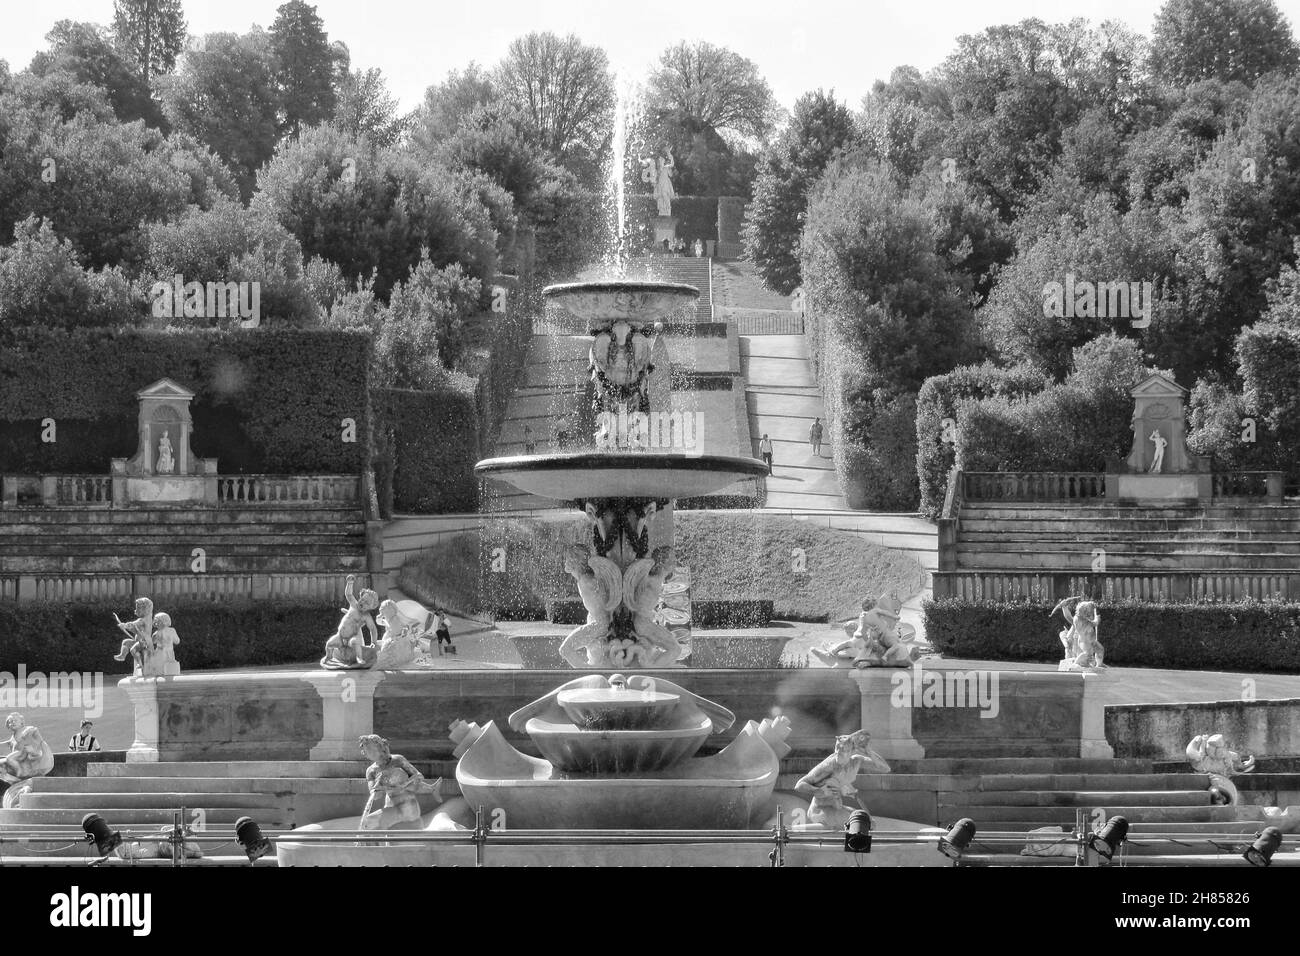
35	689
1103	300
921	688
213	300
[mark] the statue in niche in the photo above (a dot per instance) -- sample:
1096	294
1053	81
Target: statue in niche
664	192
643	583
347	647
166	464
832	780
1158	460
392	778
1082	648
29	756
600	586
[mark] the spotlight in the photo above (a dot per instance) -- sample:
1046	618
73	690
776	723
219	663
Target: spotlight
857	832
1108	839
98	832
1260	853
953	844
249	835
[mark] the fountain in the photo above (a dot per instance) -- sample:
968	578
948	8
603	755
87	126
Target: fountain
626	488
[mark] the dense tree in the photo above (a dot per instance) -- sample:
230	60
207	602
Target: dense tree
702	86
1221	39
305	65
447	104
225	95
819	128
565	89
151	34
366	110
85	52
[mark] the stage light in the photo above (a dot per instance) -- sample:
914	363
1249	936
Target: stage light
1260	853
98	832
857	832
953	844
1108	839
249	835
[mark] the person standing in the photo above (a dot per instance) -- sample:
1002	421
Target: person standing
530	443
815	436
84	741
765	449
444	633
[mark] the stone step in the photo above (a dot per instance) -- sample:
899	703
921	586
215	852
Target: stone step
1084	546
1035	535
205	517
1025	511
1017	817
217	787
1021	765
217	563
93	542
123	817
1045	560
231	768
104	802
1078	798
994	783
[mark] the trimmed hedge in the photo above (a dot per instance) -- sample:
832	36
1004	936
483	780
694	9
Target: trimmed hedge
426	444
266	400
697	216
707	614
49	636
1250	636
942	397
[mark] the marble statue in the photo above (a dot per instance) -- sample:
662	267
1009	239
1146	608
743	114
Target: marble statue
139	633
347	647
879	640
1210	754
1158	460
832	780
664	192
165	640
600	586
1082	649
643	584
29	756
392	778
402	632
166	464
620	364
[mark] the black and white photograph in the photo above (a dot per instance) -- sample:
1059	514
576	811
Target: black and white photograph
750	435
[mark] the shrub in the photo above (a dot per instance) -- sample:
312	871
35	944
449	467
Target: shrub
266	400
73	637
426	444
1261	636
940	398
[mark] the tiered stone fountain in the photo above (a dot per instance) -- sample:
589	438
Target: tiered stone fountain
627	493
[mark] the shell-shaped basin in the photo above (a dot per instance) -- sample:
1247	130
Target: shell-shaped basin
616	708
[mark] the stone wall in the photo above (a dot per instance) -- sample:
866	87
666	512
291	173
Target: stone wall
1163	731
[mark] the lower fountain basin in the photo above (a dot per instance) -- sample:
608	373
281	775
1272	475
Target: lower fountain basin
572	749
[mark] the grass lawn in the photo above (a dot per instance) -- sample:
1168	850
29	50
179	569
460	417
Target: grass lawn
809	573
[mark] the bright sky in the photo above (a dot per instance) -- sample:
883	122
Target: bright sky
798	44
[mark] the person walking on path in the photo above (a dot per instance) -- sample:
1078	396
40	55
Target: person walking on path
443	633
815	436
84	741
765	449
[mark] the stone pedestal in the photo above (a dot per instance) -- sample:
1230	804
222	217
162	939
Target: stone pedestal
890	726
665	228
143	694
348	711
1092	734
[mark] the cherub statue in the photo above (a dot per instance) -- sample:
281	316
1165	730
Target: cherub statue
831	781
402	633
600	586
392	777
1080	642
1210	754
879	640
643	583
348	641
29	756
139	633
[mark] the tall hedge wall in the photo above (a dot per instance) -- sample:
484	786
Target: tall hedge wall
266	400
1248	636
82	637
942	397
426	445
697	216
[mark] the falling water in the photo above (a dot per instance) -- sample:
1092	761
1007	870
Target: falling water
627	110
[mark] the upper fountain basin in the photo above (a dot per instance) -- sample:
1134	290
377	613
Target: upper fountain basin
571	476
600	304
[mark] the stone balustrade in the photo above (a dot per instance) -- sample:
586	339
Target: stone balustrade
1033	485
182	588
1151	586
239	491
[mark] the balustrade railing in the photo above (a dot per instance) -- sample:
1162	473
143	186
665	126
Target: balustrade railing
286	489
1160	587
83	490
1033	485
177	588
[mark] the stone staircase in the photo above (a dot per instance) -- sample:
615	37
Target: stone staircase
1025	536
161	540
